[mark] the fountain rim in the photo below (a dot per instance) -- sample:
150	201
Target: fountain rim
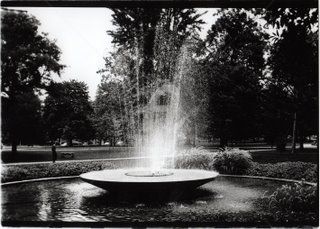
150	179
43	179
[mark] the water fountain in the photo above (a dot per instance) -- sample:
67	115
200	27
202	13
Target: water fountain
160	126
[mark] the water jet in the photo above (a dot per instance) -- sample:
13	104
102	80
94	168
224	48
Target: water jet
159	122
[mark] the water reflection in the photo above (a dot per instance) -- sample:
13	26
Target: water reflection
77	201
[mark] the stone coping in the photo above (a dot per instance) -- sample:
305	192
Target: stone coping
223	175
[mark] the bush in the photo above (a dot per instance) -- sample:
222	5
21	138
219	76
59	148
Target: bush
33	171
293	203
195	158
232	161
287	170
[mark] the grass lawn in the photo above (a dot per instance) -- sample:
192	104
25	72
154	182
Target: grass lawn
43	153
38	154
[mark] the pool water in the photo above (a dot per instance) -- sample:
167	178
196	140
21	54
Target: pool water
72	200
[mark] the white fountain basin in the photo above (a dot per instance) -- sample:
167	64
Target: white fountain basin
145	180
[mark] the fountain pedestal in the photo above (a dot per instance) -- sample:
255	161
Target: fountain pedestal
164	182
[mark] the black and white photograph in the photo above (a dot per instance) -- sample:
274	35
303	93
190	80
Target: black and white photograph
159	113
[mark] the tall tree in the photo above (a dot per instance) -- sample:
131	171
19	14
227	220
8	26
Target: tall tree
67	112
109	118
294	65
29	59
234	66
148	44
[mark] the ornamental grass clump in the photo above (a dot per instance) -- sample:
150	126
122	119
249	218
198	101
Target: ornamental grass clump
229	161
232	161
195	158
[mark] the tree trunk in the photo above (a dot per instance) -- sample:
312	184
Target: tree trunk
113	141
14	146
300	135
223	136
194	134
301	143
281	142
223	141
69	142
294	133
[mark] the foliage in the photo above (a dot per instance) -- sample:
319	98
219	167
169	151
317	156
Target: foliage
229	161
144	30
288	170
294	203
233	66
28	60
28	57
27	119
276	117
293	63
108	117
195	158
66	111
232	161
148	43
239	162
33	171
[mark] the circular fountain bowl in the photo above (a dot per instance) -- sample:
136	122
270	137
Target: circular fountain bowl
164	181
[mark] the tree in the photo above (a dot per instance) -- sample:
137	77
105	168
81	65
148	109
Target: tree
294	65
141	29
67	112
27	119
109	120
148	46
234	66
28	61
275	116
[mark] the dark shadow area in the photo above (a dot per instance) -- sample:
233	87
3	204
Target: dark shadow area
127	199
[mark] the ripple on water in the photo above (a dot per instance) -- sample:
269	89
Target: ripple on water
74	200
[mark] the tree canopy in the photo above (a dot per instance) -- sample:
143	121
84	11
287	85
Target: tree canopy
234	66
28	60
67	112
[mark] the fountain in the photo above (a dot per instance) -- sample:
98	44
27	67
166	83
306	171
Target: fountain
160	125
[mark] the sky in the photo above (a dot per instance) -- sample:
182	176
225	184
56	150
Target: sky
81	35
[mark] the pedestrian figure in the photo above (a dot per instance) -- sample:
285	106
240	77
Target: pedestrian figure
54	152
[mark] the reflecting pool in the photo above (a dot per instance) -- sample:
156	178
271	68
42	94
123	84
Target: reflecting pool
72	200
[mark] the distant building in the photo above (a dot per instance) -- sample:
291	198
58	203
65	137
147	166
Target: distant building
160	105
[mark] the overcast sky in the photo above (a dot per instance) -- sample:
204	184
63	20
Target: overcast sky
81	35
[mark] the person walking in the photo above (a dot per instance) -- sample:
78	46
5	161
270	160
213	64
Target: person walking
54	152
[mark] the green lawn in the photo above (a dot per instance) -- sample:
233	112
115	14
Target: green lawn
37	154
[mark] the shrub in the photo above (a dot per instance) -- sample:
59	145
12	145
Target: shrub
232	161
195	158
108	165
33	171
288	170
293	203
